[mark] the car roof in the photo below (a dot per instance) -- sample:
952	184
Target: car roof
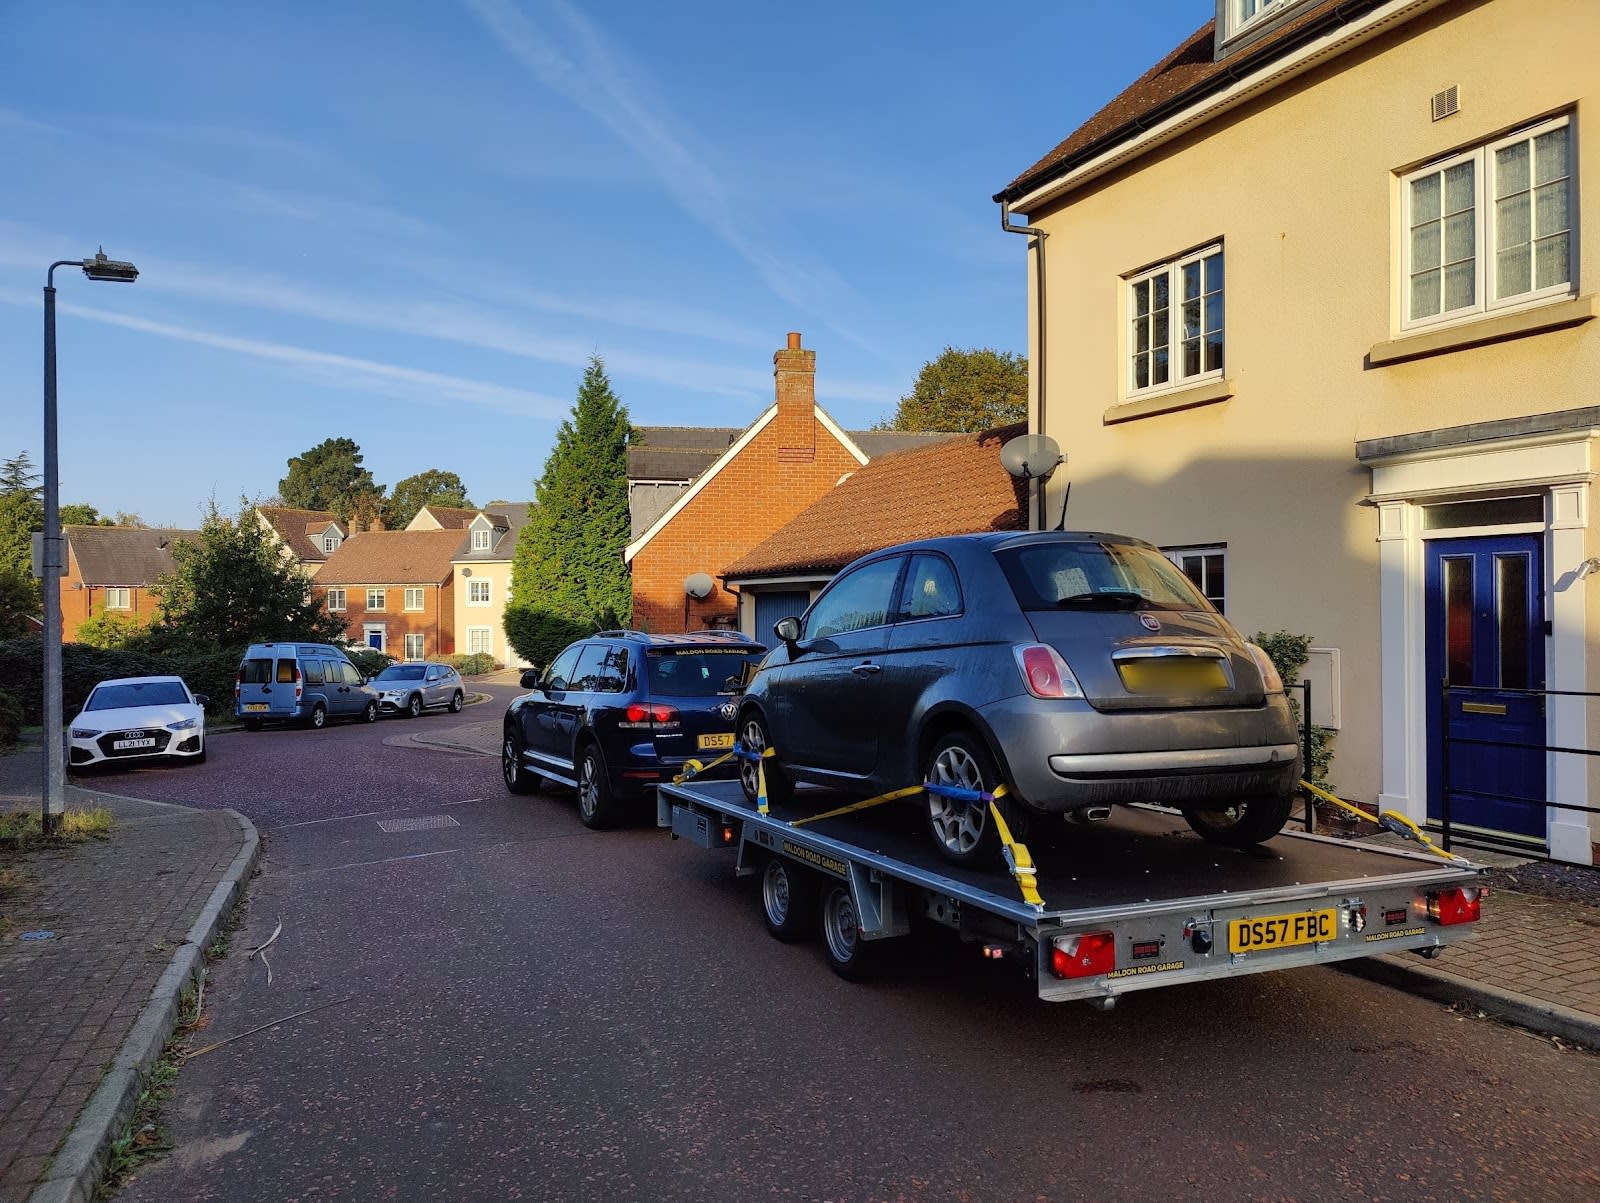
996	540
689	639
138	680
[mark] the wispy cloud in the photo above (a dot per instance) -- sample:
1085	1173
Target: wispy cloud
596	76
11	119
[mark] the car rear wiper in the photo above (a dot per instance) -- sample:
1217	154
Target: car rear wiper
1110	599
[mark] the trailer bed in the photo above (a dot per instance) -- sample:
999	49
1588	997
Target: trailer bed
1142	876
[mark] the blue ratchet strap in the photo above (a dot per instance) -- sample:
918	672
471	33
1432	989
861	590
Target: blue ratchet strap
1018	859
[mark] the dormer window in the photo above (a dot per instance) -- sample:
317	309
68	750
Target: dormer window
330	543
1239	22
481	538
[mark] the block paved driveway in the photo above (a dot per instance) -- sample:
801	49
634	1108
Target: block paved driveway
511	1006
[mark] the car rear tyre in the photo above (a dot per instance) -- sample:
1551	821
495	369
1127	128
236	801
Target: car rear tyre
414	705
457	701
517	778
788	900
754	738
370	714
964	832
1252	821
848	955
252	724
319	717
597	805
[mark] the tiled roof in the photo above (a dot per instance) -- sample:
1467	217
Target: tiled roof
1178	80
512	516
392	557
451	518
682	453
124	555
294	527
953	486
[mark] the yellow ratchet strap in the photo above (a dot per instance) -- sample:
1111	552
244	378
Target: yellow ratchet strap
1018	859
1390	820
693	768
761	781
891	796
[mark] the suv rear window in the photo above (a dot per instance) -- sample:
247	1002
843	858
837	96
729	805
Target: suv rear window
255	672
1096	576
698	672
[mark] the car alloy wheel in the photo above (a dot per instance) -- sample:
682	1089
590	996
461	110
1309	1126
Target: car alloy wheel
753	737
517	778
457	701
958	825
319	717
370	714
414	705
597	806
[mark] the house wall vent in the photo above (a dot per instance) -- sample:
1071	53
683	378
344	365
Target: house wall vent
1446	102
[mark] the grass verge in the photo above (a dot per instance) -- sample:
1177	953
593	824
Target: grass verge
19	829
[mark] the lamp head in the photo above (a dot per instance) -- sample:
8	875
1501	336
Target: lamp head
116	270
1588	568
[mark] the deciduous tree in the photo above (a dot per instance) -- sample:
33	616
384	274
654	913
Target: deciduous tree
433	487
970	390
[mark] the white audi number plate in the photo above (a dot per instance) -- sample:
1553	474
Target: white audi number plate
126	745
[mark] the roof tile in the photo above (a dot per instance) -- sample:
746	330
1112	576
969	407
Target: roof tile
392	557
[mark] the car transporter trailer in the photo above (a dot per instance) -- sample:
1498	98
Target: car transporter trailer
1130	903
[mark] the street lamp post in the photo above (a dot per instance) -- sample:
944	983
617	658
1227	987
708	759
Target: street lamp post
97	268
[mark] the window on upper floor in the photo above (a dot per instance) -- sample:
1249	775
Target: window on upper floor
335	600
377	599
477	593
119	598
330	543
1207	567
1175	323
481	538
1490	227
1239	22
413	598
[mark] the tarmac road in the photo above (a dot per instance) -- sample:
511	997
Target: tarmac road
516	1007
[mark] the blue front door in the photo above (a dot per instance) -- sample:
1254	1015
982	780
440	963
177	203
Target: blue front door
1485	645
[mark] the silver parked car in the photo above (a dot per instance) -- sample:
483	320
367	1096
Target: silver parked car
1080	670
411	688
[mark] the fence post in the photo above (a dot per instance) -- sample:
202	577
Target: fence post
1305	748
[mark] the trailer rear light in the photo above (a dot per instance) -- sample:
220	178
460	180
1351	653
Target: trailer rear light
660	715
1044	673
1461	904
1087	955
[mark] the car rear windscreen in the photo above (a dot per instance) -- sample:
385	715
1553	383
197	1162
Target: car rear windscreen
144	693
255	672
698	672
1091	575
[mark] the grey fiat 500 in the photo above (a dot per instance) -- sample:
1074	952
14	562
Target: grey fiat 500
1080	670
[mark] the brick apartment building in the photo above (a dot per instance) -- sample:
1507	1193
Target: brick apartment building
394	591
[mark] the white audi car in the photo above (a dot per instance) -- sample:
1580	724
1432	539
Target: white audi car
136	718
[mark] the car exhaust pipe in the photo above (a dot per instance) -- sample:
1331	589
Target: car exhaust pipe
1089	814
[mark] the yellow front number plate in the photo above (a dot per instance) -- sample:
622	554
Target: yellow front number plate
1173	674
1282	931
708	742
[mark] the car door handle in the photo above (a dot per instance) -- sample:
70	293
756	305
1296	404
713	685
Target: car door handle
866	668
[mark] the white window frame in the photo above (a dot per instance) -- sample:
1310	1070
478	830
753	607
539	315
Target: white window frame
377	599
413	599
1172	269
473	587
483	637
417	640
1177	554
1485	230
330	543
119	597
336	601
1233	23
482	538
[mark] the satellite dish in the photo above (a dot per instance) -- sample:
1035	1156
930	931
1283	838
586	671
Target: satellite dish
1031	456
466	572
698	585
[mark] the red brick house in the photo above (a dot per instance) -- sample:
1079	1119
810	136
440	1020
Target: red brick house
394	591
308	537
953	486
747	484
110	570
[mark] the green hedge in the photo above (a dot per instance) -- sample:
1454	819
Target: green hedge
538	635
1289	653
471	666
10	721
83	667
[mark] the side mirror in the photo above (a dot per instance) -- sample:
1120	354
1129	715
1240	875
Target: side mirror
201	699
787	629
530	678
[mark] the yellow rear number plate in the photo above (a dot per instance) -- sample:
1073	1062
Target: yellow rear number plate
1282	931
257	706
1173	674
707	742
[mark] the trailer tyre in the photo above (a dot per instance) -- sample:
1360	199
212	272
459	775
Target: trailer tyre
964	832
788	900
753	735
850	956
1251	821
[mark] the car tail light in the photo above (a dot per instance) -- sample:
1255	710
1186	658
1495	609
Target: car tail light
1461	904
1087	955
1270	680
1044	673
655	713
299	684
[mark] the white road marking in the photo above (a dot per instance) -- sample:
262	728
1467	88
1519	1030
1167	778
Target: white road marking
388	860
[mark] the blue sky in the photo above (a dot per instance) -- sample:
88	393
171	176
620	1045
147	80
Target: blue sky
411	222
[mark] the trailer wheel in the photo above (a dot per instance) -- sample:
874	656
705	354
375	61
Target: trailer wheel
753	735
1252	821
788	900
964	831
850	956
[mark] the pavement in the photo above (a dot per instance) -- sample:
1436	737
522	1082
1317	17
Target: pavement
85	1011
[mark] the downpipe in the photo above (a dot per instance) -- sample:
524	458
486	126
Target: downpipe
1037	361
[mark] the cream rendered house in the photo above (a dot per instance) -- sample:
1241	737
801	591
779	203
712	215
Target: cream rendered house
483	580
1317	317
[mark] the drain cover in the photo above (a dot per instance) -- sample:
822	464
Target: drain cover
426	823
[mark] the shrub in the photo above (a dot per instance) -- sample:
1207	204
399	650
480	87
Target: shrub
471	665
108	629
210	671
10	721
369	661
539	635
1289	653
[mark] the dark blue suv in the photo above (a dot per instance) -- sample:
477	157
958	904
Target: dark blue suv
618	713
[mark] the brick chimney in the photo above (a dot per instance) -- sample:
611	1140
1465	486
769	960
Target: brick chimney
794	374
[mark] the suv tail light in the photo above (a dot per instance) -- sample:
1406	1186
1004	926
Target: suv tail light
1087	955
655	713
1462	904
1044	673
